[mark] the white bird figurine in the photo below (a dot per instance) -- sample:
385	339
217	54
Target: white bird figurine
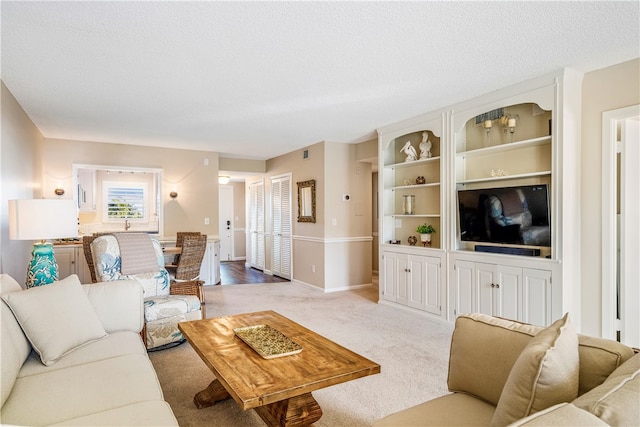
410	152
425	147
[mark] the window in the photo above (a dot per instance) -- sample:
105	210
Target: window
125	200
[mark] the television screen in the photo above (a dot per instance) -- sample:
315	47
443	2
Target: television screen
514	215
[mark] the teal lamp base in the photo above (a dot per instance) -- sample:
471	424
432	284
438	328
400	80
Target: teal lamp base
43	268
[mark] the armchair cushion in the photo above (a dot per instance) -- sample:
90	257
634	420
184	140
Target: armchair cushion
56	318
545	374
108	262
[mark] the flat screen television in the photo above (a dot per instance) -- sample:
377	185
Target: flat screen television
511	215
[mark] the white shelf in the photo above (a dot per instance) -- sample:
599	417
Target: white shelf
504	178
416	215
404	187
413	163
543	140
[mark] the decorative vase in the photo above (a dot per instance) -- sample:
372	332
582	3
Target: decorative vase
408	203
425	239
43	268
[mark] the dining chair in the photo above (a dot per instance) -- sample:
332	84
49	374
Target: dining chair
187	272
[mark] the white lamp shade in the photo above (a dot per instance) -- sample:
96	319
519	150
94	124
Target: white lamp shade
41	219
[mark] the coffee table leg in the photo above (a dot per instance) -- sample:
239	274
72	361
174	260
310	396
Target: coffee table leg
301	410
215	392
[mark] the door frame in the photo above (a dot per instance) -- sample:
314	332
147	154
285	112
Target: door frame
609	237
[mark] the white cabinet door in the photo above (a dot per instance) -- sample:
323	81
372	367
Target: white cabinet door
433	277
464	287
81	267
507	292
65	257
536	297
210	268
485	301
417	282
424	283
402	270
389	273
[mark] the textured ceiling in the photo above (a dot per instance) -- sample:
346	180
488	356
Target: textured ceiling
260	79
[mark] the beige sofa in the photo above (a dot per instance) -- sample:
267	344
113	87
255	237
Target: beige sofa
72	355
503	372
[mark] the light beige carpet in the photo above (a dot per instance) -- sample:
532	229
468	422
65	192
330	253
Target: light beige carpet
412	351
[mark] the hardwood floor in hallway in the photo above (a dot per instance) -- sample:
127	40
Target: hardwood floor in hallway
236	272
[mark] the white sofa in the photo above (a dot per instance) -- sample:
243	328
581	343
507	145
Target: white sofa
72	355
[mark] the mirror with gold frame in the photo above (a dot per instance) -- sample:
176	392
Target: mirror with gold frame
307	201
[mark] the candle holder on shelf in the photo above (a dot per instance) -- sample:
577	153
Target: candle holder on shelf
488	125
509	124
408	204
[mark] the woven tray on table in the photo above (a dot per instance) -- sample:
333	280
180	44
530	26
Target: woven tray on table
191	287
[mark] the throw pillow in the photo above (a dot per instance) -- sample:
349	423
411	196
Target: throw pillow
57	318
546	373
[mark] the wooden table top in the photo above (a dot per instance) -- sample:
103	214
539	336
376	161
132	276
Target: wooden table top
253	381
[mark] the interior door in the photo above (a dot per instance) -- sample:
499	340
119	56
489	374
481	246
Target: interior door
256	225
620	226
629	232
225	218
281	226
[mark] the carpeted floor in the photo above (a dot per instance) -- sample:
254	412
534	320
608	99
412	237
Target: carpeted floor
412	351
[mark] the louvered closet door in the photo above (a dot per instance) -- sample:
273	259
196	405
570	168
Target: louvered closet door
281	202
256	225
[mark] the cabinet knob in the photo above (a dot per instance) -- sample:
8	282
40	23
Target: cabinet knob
497	286
493	286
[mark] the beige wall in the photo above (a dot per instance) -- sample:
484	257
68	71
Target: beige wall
328	256
307	247
183	170
21	179
603	90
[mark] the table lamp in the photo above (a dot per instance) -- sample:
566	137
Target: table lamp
42	219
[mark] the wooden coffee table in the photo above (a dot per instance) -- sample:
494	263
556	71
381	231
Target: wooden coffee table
278	389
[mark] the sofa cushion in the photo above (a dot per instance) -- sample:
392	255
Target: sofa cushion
545	373
562	414
495	345
615	401
113	345
56	318
79	391
119	305
456	409
15	347
153	413
599	357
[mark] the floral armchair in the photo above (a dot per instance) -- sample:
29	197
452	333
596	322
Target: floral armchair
162	310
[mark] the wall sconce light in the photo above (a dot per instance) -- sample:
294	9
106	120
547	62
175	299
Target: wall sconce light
224	179
59	191
173	194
